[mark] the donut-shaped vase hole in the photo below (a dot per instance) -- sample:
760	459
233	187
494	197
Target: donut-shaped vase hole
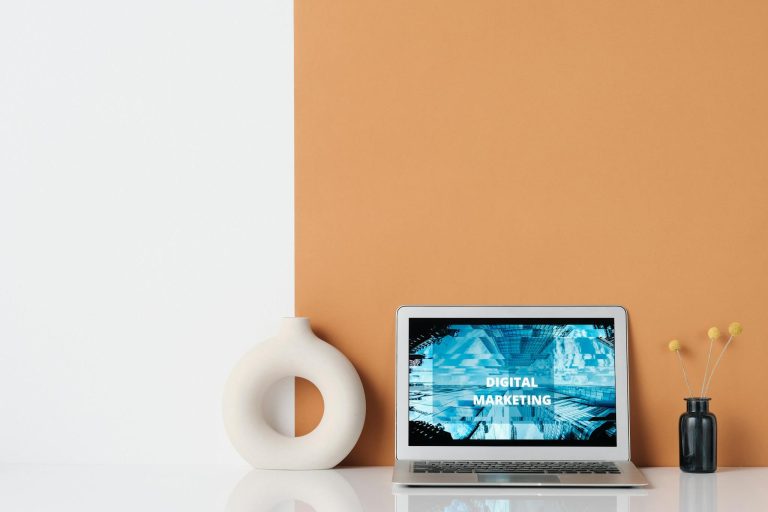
309	406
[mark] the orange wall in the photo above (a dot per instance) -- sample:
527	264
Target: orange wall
539	152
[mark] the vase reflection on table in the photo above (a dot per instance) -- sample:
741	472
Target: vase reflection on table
698	493
698	437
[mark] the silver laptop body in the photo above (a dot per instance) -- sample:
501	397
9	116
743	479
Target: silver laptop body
513	396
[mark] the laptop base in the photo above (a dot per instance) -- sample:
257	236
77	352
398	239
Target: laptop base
629	476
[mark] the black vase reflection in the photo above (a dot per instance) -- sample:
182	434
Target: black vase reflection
698	493
698	437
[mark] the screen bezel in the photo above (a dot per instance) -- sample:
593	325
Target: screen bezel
404	451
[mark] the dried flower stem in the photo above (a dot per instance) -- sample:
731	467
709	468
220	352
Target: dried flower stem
717	363
685	374
706	368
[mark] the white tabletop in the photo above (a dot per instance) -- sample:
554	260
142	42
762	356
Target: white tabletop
222	488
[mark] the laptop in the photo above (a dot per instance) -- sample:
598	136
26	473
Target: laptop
513	396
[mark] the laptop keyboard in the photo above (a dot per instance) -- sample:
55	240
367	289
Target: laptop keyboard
518	466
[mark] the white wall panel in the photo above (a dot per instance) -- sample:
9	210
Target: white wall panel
146	221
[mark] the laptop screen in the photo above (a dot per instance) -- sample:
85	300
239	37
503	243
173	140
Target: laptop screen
511	382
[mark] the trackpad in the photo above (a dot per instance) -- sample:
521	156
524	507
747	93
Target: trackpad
507	478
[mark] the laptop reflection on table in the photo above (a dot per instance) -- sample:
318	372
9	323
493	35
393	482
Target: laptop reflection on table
448	499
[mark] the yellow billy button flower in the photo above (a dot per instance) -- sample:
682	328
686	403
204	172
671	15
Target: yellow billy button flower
734	330
713	333
674	346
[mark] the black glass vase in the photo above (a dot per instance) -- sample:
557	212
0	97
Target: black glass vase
698	437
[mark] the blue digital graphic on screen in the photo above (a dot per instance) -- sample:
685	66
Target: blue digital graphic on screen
531	382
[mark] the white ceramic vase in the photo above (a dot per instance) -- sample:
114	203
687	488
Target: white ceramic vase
294	352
